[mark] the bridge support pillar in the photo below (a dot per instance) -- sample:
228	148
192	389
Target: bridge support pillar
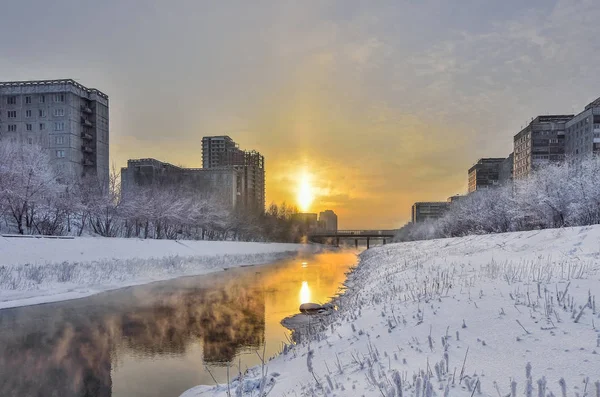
337	242
356	243
368	240
384	241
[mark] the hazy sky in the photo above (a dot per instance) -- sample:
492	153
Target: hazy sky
383	102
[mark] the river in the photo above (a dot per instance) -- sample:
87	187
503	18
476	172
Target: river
155	340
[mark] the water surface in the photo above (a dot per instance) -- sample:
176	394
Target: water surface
155	340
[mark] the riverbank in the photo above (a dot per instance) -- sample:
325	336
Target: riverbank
478	315
42	270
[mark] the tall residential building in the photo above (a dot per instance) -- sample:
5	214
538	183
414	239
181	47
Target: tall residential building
218	151
254	180
541	142
328	221
68	119
423	211
485	174
226	183
222	151
583	133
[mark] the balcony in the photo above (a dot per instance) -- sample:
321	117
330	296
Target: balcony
87	149
86	122
87	136
87	163
86	109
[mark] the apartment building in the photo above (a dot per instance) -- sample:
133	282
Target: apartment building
219	151
222	151
69	120
485	173
583	133
542	141
428	210
225	183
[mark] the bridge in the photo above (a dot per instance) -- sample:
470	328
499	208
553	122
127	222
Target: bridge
352	234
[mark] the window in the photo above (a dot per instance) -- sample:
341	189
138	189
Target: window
11	100
29	127
28	99
28	113
59	140
60	154
59	97
59	112
59	126
30	141
42	113
11	114
42	98
42	126
12	127
553	140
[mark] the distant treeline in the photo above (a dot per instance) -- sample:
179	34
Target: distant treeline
558	195
36	199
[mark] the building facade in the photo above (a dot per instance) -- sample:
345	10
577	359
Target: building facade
328	221
430	210
64	117
506	170
219	151
541	142
485	174
583	133
225	183
222	151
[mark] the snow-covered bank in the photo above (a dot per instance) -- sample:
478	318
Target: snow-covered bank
489	315
39	270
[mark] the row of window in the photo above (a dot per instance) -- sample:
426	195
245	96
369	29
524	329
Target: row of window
12	99
12	114
59	126
542	133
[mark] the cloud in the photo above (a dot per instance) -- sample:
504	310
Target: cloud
387	103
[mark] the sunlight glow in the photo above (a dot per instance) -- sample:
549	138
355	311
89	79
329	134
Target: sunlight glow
304	293
306	194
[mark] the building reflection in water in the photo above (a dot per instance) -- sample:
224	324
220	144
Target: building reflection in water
82	347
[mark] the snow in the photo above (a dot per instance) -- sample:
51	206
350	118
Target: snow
42	270
476	315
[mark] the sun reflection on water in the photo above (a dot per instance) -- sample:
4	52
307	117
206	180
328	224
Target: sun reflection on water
304	293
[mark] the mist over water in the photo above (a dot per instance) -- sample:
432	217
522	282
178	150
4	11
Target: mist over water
154	340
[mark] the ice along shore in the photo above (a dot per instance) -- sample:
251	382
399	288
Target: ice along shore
491	315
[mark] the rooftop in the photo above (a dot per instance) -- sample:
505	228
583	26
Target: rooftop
52	82
593	104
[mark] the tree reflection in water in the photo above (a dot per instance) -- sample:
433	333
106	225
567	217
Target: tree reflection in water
74	348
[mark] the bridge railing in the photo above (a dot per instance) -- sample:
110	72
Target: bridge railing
353	232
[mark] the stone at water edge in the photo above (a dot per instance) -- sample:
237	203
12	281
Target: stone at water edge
310	308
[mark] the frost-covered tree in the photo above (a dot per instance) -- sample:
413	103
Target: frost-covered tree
28	184
563	194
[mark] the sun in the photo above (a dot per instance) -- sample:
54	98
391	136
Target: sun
305	192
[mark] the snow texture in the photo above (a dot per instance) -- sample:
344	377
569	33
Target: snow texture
489	315
41	270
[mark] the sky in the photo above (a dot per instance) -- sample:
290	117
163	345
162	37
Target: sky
380	103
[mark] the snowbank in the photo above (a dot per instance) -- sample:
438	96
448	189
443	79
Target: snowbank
479	315
39	270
